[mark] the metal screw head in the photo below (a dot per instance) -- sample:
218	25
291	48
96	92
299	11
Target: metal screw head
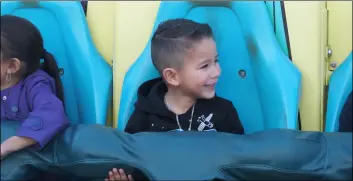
242	73
333	64
329	52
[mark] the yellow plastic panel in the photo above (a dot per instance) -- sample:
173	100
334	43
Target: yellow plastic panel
339	30
307	32
100	18
134	21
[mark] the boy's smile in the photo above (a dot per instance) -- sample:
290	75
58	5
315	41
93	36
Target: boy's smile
211	86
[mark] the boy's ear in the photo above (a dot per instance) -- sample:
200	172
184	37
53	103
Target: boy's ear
170	75
14	66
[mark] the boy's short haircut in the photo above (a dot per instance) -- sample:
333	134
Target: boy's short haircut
173	38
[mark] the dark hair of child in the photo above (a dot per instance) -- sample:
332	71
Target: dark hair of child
22	40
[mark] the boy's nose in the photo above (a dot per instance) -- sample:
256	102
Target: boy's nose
216	72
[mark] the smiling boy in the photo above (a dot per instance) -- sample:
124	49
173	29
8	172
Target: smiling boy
184	98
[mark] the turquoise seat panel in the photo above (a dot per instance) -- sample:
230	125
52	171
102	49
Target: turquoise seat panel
340	85
87	78
278	19
267	97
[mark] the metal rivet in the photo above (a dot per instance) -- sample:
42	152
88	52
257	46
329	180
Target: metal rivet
4	98
329	52
333	65
242	73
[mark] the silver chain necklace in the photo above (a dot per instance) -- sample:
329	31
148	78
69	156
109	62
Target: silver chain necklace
177	117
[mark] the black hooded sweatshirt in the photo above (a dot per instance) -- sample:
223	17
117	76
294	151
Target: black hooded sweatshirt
152	115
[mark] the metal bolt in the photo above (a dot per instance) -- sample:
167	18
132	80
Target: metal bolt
333	64
329	52
242	73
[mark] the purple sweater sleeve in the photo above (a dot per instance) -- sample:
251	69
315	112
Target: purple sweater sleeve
47	116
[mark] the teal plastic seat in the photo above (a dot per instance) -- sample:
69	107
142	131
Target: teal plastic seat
87	78
267	97
276	10
340	85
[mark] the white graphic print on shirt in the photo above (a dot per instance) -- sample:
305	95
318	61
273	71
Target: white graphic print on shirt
205	122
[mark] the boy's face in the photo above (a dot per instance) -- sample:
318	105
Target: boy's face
200	71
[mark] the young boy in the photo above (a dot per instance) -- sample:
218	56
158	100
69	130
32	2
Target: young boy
183	99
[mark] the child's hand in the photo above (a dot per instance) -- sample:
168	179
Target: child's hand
4	152
120	175
15	143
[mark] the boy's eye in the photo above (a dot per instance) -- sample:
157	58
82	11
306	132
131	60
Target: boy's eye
204	66
216	60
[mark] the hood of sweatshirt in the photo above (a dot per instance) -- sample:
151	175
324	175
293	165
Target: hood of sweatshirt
151	98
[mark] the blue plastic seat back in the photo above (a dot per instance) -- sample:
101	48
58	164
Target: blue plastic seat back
278	19
266	96
87	78
340	85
